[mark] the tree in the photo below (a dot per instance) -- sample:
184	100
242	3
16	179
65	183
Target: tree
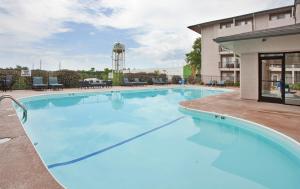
18	67
193	58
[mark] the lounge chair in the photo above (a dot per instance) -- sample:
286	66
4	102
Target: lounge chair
37	83
7	83
84	84
126	82
221	83
53	83
138	82
210	83
162	81
108	83
156	81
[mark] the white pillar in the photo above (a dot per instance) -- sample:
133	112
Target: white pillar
234	77
234	68
293	75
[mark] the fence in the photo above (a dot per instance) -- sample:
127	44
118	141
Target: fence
70	79
229	80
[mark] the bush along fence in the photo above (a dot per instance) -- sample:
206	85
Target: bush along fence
70	78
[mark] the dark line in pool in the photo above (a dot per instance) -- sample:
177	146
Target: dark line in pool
112	146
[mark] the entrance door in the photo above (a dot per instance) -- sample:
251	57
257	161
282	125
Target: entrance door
271	78
292	78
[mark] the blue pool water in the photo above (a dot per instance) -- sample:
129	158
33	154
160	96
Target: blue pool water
144	140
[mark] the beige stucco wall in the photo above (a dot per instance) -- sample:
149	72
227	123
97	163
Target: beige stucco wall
249	49
271	44
298	13
261	22
249	76
234	30
210	53
210	49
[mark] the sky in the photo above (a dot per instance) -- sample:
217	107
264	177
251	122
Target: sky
79	34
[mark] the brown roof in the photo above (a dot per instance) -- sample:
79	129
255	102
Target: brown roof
271	32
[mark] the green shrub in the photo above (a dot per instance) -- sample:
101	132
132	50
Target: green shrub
187	71
117	79
146	77
295	86
68	78
237	84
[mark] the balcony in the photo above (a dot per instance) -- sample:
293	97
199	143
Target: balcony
223	50
229	65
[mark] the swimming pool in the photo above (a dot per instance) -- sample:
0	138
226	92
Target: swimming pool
144	139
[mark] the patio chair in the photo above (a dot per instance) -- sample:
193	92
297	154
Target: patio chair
209	83
138	82
53	83
7	83
221	83
84	84
126	82
161	81
108	83
156	81
38	84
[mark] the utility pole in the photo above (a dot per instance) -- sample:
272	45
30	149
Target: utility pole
40	64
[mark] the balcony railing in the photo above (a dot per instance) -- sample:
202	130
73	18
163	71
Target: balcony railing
222	49
230	65
292	65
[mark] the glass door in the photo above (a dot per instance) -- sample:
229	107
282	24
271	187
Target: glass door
292	78
271	78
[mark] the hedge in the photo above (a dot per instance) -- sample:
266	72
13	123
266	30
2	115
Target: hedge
146	77
68	78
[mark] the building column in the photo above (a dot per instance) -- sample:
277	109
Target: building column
234	67
293	75
235	77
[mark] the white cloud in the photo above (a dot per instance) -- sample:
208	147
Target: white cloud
160	25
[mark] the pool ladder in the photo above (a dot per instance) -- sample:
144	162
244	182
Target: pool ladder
24	118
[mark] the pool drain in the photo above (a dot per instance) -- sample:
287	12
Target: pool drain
3	140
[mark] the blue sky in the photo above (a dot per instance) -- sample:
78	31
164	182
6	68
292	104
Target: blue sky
80	33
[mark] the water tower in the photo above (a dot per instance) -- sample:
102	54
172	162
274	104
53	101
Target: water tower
118	57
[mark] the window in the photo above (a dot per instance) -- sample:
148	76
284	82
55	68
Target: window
282	15
226	25
227	59
227	76
243	22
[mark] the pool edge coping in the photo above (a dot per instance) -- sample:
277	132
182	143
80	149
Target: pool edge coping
264	127
102	92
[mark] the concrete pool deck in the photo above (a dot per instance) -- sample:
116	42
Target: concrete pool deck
21	167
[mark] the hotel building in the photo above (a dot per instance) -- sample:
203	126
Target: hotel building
261	50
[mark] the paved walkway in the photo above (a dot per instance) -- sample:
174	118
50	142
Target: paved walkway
283	118
21	167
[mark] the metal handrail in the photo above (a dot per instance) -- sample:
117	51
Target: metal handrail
18	103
